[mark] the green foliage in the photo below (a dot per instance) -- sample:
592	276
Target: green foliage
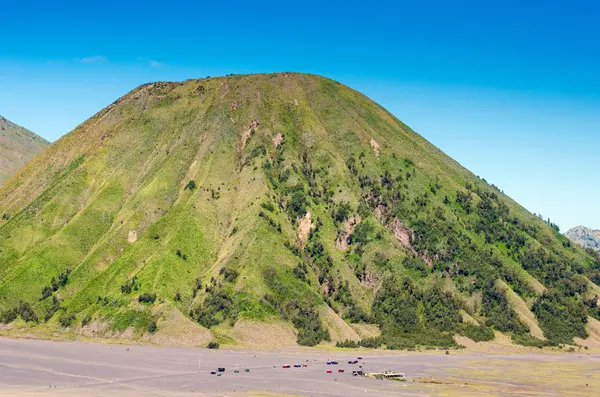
26	312
139	320
560	318
129	286
213	345
54	307
147	298
152	327
86	320
296	206
355	314
217	306
500	315
197	287
531	341
76	209
341	212
229	275
66	320
371	343
347	344
268	206
310	328
477	333
191	185
8	316
416	264
55	284
411	316
361	235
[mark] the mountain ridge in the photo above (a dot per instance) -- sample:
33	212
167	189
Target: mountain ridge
18	146
286	202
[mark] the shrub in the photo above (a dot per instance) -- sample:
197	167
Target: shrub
66	320
86	320
347	344
310	329
64	277
268	206
46	292
152	327
297	204
129	285
560	318
8	316
52	309
26	312
147	298
528	340
216	307
191	185
213	345
230	275
477	333
371	343
356	315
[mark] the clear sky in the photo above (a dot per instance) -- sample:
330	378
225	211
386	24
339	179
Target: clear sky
510	90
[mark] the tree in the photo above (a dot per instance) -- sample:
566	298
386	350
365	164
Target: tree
191	185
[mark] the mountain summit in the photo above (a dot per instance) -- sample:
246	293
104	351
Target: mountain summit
17	146
265	210
584	236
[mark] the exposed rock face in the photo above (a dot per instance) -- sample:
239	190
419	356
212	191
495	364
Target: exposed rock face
584	236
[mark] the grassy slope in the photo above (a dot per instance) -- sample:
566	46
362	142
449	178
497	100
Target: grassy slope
17	147
75	205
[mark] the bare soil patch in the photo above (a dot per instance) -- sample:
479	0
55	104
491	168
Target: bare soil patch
338	328
523	311
349	226
375	147
304	228
277	139
247	134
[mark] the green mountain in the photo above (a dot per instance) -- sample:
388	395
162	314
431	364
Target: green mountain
271	209
584	236
17	146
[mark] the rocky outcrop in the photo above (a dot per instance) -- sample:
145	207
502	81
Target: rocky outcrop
584	236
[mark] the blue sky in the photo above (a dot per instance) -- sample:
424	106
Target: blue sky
510	90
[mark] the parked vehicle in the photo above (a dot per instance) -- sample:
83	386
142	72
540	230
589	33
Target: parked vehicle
353	362
329	371
286	366
247	370
220	369
213	372
341	371
297	366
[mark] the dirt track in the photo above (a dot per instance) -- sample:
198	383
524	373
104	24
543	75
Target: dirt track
40	368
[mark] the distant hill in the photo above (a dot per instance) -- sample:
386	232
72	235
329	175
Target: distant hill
17	146
584	236
274	209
